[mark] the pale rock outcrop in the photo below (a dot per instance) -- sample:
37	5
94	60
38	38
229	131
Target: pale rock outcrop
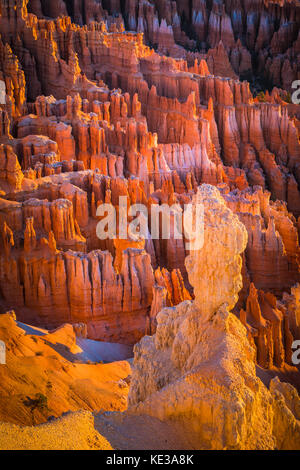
199	368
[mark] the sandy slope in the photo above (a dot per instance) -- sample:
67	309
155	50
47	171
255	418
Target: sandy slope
45	364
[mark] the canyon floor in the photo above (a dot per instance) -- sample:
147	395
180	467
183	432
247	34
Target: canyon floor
141	342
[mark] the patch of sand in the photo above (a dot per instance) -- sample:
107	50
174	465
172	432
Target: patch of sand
74	431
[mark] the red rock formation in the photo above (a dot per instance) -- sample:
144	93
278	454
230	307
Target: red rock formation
269	327
273	245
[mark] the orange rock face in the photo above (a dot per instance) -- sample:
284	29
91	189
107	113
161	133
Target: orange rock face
146	100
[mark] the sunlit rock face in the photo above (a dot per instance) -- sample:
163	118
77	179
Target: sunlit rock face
199	368
229	33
